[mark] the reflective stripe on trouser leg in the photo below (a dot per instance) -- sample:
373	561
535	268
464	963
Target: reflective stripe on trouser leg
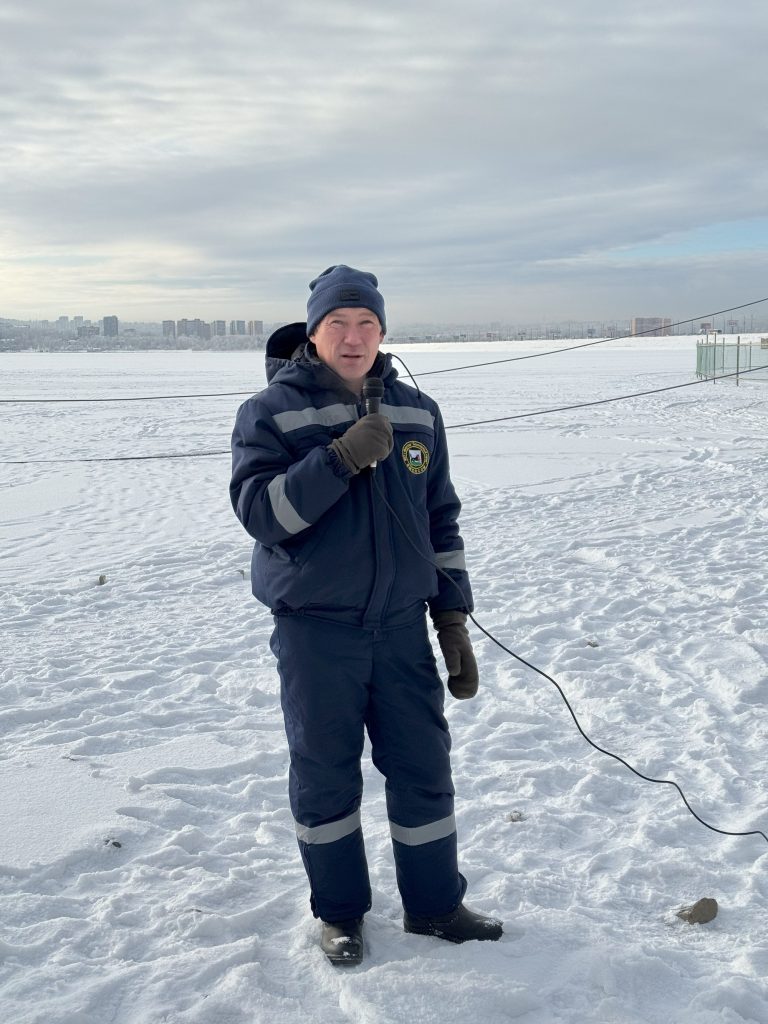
324	678
423	834
338	877
411	747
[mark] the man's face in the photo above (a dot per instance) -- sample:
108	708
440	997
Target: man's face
347	340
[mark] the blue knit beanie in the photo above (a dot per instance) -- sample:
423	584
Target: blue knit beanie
341	286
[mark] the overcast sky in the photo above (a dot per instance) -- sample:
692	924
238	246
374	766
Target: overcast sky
490	160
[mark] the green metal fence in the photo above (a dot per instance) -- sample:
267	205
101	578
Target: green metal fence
716	358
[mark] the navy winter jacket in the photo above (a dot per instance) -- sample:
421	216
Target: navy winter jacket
326	543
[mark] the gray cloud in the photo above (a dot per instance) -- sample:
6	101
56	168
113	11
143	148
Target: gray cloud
484	159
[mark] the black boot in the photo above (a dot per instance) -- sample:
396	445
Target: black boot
342	942
459	926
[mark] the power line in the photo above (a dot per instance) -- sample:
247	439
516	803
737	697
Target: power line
121	398
450	426
112	458
605	401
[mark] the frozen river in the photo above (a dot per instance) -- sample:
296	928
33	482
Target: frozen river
147	858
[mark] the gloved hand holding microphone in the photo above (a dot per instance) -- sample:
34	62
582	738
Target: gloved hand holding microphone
371	438
365	442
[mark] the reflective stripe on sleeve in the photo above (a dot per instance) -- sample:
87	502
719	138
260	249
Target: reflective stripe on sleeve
332	415
423	833
407	415
284	511
451	559
329	833
329	416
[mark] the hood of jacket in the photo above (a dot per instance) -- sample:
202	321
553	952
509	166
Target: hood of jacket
291	359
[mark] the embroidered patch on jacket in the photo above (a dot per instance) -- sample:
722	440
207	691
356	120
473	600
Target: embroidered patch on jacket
415	456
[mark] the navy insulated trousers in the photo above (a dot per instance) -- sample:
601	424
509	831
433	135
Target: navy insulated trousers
336	681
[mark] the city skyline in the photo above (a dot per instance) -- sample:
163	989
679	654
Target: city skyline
509	161
752	319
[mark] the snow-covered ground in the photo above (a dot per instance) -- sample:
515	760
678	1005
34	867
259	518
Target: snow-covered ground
148	870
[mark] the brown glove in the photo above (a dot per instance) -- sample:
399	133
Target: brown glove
365	442
456	646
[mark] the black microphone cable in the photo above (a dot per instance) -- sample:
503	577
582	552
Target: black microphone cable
541	672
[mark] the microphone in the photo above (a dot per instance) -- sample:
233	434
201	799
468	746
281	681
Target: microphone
373	389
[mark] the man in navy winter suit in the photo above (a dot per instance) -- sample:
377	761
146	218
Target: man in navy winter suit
349	581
